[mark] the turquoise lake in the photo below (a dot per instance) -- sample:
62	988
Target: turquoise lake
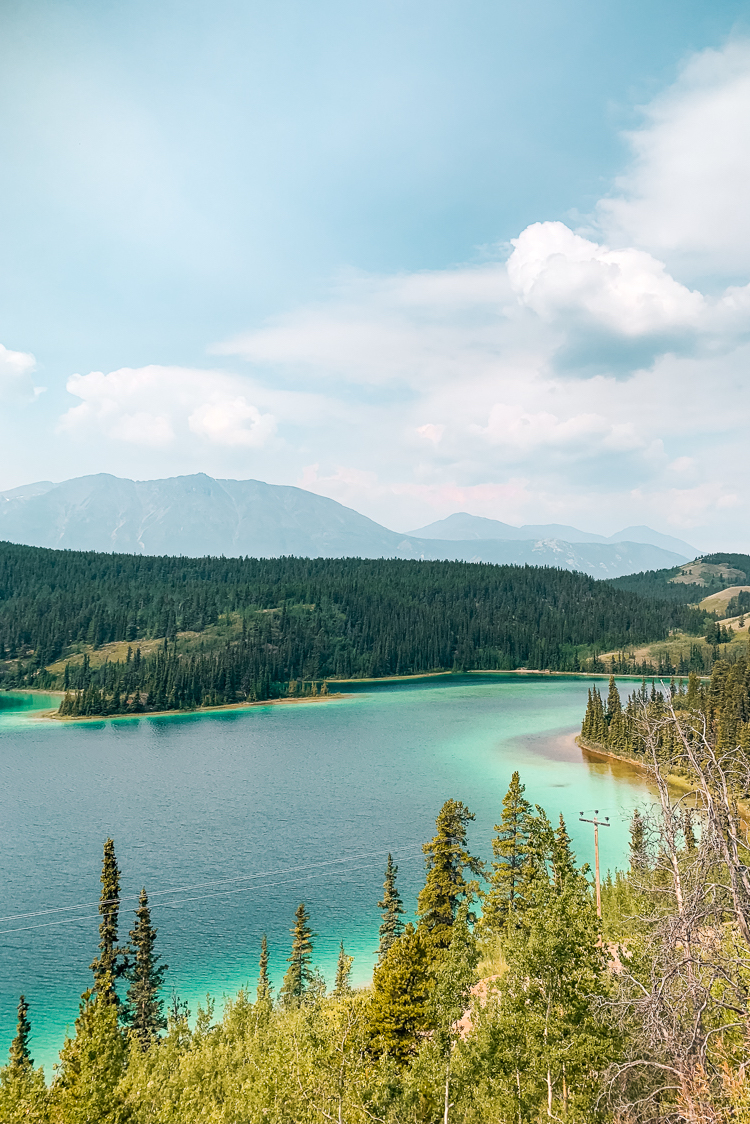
260	796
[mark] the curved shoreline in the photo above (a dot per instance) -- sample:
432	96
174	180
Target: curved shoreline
674	780
523	672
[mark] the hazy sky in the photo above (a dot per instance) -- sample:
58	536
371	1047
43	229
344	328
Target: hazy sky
418	256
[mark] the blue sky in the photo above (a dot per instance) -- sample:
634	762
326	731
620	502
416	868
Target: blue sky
316	244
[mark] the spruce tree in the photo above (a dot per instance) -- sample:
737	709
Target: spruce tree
299	975
510	848
91	1064
446	859
111	963
544	1039
614	706
342	985
19	1057
563	857
23	1092
392	926
399	1010
638	857
144	1007
263	993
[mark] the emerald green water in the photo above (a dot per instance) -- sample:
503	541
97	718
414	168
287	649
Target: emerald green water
259	795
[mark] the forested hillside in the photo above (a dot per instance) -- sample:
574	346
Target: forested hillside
245	629
660	583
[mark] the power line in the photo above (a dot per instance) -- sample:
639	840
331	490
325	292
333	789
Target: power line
186	901
200	885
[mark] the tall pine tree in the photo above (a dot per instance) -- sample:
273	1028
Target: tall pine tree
299	975
145	1013
510	848
342	985
19	1057
638	855
263	993
111	963
23	1092
393	908
446	859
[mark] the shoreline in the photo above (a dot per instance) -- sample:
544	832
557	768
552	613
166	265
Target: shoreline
524	672
674	780
54	716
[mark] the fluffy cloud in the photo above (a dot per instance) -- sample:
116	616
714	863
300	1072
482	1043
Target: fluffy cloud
153	405
685	196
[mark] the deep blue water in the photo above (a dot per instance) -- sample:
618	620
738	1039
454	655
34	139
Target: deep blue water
251	795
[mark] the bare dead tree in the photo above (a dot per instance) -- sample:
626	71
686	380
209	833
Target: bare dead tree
681	996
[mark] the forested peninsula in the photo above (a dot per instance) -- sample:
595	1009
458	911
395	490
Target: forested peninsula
196	632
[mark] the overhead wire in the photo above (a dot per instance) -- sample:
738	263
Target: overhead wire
315	868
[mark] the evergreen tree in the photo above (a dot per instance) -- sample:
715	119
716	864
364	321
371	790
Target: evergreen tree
563	857
614	705
638	856
392	926
399	1011
299	975
23	1092
20	1057
342	985
446	859
263	993
543	1042
688	830
510	848
144	1007
111	963
84	1089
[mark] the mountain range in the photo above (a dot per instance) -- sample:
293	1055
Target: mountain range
198	515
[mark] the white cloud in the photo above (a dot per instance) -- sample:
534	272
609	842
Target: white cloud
15	374
685	196
562	276
154	406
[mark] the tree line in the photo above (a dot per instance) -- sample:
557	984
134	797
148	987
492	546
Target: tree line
506	999
293	621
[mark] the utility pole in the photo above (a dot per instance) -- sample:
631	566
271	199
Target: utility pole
597	824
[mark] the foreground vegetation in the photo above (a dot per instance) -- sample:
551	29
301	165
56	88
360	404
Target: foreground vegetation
529	1009
239	629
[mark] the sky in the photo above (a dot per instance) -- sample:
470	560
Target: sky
420	257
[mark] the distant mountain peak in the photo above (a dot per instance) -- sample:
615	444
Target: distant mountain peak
463	526
198	515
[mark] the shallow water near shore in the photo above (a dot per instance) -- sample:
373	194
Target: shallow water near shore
292	803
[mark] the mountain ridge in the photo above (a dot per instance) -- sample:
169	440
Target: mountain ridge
197	515
463	526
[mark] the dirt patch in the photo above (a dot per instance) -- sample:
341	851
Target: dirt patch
700	573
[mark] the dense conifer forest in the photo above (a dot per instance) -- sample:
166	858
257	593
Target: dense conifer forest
722	704
237	629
